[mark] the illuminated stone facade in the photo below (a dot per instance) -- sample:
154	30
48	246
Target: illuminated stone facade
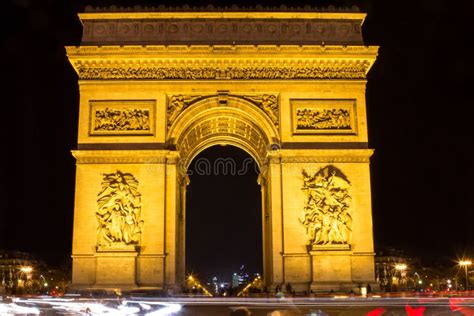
157	88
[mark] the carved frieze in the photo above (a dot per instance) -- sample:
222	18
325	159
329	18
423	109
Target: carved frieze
106	72
218	62
324	116
327	209
121	117
119	211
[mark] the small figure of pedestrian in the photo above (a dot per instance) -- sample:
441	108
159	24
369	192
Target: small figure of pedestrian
289	288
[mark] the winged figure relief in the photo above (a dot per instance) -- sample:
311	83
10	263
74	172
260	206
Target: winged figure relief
327	217
119	208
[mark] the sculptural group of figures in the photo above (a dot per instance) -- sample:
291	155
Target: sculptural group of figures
119	210
327	217
122	120
210	73
323	119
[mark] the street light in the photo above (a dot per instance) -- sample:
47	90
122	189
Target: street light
26	269
465	264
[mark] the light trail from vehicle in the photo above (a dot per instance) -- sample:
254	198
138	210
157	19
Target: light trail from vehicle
169	306
88	306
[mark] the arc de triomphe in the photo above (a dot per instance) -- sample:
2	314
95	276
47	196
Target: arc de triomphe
158	87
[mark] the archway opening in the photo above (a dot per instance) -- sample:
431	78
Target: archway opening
223	217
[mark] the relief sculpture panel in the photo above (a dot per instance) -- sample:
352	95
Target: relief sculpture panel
327	212
121	118
119	211
324	117
177	104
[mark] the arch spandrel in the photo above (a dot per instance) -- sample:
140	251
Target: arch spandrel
222	119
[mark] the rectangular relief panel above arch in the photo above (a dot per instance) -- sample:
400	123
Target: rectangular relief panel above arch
324	116
122	117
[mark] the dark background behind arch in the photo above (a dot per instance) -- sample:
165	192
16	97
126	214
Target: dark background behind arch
419	102
223	214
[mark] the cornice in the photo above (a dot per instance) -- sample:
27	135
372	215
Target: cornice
124	156
321	155
207	62
160	51
222	15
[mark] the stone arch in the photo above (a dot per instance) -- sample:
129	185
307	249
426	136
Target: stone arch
224	120
202	122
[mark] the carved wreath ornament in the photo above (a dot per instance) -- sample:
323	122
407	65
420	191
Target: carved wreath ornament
119	208
327	217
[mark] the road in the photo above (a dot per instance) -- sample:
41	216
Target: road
239	306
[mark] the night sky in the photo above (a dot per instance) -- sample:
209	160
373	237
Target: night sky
419	116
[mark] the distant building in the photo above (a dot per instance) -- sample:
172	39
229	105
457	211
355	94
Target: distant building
235	280
215	285
16	269
21	272
240	278
391	268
